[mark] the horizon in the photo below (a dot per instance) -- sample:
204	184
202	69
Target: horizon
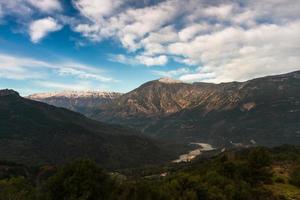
117	45
108	91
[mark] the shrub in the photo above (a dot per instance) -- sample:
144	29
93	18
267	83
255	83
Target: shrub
82	180
295	176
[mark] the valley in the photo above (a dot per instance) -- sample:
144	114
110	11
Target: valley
149	99
35	133
218	114
164	140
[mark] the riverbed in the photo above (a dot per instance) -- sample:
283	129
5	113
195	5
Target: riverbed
202	147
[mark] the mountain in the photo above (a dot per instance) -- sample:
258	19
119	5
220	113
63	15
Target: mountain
78	101
155	99
262	111
34	133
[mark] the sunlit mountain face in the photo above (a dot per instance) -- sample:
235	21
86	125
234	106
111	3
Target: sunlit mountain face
116	45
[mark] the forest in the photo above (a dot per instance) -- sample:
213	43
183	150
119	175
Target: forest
242	174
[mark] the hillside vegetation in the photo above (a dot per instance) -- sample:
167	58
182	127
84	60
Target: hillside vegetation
35	133
251	174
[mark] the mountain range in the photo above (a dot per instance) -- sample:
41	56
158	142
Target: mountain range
36	133
78	101
264	111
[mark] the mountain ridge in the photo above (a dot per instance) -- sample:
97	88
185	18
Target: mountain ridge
78	101
213	112
35	133
74	94
207	112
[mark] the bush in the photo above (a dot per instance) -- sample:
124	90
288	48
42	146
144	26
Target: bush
259	160
16	188
82	180
279	179
295	177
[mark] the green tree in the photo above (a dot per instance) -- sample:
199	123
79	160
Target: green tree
16	188
81	180
259	161
185	186
295	176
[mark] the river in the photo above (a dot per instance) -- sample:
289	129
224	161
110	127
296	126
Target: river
202	147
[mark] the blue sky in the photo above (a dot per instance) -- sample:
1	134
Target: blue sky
116	45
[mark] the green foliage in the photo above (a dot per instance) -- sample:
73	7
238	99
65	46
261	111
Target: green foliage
185	186
259	158
295	176
241	175
17	188
81	180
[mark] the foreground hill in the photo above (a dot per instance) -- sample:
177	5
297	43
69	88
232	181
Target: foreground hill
259	111
35	133
248	174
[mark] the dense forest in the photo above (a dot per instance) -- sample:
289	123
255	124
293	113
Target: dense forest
250	174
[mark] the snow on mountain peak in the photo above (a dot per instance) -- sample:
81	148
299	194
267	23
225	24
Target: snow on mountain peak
168	80
75	94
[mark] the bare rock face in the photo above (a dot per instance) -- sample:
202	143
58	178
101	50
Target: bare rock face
266	110
248	106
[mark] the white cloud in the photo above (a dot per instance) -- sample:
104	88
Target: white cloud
77	86
46	5
95	9
129	25
15	8
152	61
17	68
22	68
83	74
191	31
1	11
229	40
26	10
120	58
239	54
196	77
140	59
38	29
172	73
221	11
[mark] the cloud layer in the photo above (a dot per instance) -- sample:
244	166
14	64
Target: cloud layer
46	74
213	40
220	40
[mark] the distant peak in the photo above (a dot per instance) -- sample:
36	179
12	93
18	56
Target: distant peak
8	92
168	80
74	94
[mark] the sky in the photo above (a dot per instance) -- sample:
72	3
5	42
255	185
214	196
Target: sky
116	45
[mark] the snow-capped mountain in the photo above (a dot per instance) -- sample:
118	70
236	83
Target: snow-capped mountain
75	94
79	101
168	80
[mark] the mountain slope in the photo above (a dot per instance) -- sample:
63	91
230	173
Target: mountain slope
264	110
151	101
77	101
34	133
